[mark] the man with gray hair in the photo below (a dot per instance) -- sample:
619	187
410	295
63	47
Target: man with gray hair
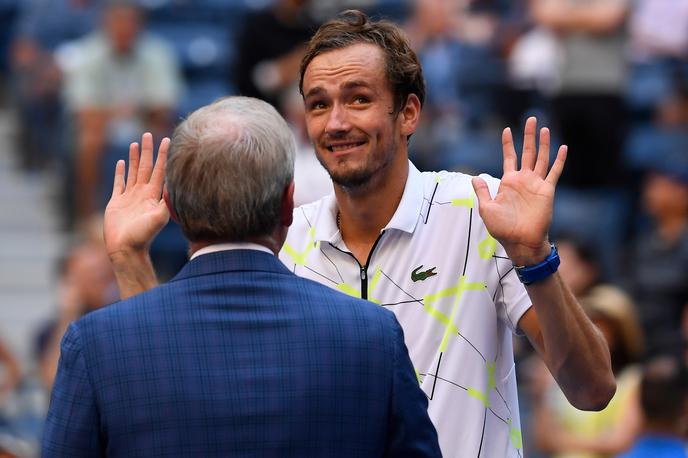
236	355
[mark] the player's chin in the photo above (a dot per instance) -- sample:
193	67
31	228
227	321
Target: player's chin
350	177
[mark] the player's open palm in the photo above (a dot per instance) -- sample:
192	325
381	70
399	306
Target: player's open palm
136	212
520	214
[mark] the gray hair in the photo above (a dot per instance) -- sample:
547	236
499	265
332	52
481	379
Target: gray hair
229	165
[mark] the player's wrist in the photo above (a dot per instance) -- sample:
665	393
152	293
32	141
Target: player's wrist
134	271
522	255
125	256
533	273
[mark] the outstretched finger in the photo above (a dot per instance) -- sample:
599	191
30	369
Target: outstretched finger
133	165
481	190
118	182
146	162
528	156
558	166
158	176
508	151
542	163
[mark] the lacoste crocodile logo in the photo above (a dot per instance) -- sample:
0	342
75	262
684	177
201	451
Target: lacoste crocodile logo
422	276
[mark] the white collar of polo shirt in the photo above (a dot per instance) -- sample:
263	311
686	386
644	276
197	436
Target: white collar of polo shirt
405	218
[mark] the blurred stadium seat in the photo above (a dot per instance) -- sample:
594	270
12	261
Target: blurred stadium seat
648	84
8	12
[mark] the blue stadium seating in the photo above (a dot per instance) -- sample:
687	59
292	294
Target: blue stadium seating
648	144
202	91
202	47
648	85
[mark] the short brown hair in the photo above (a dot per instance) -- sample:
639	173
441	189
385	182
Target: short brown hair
229	165
404	71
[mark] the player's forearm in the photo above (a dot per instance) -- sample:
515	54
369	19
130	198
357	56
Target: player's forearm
134	272
572	347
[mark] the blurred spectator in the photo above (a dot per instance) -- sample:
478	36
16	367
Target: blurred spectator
658	262
456	43
86	283
560	429
19	418
590	116
579	266
6	453
564	431
664	404
659	28
270	47
119	82
434	31
43	25
10	373
589	104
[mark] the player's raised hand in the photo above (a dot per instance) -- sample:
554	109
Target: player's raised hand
136	211
520	214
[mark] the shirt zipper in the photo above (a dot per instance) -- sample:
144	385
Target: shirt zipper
363	269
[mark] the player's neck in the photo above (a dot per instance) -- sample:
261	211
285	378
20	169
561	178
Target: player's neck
364	212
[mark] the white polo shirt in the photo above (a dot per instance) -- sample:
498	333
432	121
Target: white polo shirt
454	292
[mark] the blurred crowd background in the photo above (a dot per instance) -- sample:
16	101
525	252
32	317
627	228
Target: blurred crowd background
82	79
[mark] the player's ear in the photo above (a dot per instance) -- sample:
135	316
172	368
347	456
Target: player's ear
410	115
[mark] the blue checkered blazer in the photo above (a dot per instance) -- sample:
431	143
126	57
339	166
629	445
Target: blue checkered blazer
237	356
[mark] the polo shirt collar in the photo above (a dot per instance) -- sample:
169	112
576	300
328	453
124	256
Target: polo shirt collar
325	225
409	210
405	218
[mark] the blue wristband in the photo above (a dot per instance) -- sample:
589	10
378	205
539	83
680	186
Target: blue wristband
540	271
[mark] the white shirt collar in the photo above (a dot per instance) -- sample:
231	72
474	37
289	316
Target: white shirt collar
404	219
230	246
408	212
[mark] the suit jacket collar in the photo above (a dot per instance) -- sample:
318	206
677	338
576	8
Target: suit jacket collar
231	261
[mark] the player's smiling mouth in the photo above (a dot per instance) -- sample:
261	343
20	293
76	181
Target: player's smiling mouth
335	148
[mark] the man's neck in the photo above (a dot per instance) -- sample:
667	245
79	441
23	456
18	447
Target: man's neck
364	212
266	241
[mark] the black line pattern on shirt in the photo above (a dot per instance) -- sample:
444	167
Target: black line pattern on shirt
507	273
427	216
321	275
499	275
303	211
466	389
402	303
503	400
468	242
402	289
501	288
474	348
495	414
437	371
482	436
445	380
333	264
